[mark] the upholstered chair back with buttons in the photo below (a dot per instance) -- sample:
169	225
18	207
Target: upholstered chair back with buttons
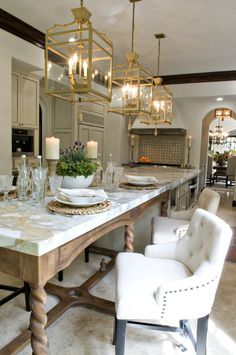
209	200
202	250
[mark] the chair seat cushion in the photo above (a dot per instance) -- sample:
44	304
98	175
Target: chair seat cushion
138	278
163	229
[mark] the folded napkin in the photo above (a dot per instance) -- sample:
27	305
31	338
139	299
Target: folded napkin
72	194
141	178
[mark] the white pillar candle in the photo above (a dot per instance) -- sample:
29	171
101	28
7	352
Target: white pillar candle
189	141
92	150
52	148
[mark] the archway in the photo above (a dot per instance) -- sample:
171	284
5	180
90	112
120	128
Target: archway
204	141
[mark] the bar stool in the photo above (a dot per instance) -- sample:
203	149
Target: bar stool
175	226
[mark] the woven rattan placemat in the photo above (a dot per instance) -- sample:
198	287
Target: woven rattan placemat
126	185
58	207
12	194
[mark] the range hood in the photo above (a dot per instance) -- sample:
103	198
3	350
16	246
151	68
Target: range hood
160	131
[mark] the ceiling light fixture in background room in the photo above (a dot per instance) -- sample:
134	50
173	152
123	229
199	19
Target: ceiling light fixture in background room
132	85
162	97
218	136
78	60
223	113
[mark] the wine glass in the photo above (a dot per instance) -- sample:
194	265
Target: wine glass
6	184
55	182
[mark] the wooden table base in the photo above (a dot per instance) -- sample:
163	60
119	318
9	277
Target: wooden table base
70	297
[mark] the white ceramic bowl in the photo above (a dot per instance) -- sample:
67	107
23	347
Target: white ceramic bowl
77	182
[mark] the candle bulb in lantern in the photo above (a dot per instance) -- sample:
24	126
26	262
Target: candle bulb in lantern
52	148
92	150
132	140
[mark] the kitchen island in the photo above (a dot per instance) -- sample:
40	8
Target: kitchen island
36	244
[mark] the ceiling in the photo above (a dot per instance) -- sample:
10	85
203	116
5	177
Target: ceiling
200	34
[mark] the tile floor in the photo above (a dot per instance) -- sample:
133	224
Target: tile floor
82	331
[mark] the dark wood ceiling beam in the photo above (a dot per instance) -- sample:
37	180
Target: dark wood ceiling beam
21	29
199	77
24	31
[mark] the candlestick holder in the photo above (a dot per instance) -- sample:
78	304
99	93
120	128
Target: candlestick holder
188	165
52	166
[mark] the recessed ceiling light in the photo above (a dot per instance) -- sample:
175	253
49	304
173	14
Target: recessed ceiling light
219	99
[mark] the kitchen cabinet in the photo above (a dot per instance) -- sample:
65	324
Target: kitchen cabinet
180	197
25	101
92	133
91	122
64	118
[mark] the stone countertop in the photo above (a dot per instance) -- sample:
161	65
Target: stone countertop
29	228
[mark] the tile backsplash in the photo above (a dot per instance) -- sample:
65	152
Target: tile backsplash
163	149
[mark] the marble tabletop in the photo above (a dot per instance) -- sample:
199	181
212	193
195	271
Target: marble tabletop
29	228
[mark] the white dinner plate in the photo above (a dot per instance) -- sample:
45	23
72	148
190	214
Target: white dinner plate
82	201
141	182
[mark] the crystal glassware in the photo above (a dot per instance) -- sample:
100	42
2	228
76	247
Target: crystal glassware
38	188
5	185
55	182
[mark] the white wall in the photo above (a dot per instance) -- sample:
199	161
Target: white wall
12	47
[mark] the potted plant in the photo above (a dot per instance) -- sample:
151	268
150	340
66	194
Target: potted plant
76	169
221	158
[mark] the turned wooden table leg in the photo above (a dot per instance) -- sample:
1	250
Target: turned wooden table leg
129	238
164	208
38	319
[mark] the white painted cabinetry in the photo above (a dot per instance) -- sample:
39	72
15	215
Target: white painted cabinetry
25	101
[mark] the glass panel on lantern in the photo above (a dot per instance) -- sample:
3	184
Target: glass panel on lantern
101	65
161	105
71	55
67	55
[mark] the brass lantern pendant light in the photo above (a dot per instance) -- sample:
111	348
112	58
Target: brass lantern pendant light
132	84
162	97
78	60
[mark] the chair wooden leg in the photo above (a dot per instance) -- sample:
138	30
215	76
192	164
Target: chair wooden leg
202	327
27	295
86	254
60	275
120	336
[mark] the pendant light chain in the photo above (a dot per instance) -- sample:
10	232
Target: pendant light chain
132	38
158	57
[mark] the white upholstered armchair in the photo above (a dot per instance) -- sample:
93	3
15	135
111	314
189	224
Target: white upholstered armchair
165	229
174	281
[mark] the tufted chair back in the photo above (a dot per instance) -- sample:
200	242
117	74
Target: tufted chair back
202	250
206	242
209	200
173	282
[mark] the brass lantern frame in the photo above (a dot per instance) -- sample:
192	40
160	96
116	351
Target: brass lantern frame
132	84
72	53
162	97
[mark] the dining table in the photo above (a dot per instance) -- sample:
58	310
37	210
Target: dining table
36	243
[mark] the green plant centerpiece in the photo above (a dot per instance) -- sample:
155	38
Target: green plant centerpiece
221	158
77	170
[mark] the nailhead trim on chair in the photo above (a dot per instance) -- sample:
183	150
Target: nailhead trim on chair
186	289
